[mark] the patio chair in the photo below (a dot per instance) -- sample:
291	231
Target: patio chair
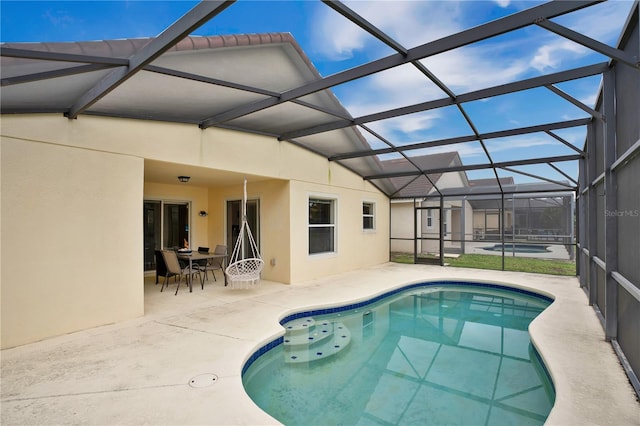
217	263
203	263
161	269
174	269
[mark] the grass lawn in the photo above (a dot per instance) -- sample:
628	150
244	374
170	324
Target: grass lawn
520	264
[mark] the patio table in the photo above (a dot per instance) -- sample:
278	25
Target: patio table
196	255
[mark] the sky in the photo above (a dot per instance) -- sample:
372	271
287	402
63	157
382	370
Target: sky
334	44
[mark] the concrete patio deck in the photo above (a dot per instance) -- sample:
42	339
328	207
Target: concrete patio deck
138	371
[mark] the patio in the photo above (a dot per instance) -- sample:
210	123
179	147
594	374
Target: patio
138	371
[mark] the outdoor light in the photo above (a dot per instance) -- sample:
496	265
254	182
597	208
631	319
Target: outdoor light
184	179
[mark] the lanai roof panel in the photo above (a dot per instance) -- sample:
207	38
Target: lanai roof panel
265	83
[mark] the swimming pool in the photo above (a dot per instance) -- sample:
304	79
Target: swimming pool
519	248
437	353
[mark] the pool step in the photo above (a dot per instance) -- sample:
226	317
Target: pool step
308	341
300	326
312	336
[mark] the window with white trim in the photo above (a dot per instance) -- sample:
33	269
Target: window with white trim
322	226
368	216
429	218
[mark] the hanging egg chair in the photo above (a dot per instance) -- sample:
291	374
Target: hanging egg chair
244	272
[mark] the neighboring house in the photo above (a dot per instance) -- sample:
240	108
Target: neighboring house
540	216
486	213
97	194
415	222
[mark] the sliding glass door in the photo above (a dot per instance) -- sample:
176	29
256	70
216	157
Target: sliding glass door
166	225
234	222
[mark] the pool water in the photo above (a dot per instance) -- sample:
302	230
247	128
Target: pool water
519	248
429	355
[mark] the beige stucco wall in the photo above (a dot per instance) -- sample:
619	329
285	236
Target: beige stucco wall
355	247
75	189
71	239
402	220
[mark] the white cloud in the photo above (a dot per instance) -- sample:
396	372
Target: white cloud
59	18
602	21
553	54
409	125
471	68
590	100
607	18
408	22
416	122
397	87
506	144
464	150
412	24
334	38
575	136
496	61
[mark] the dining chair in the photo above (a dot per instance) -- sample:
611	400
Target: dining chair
161	269
216	263
174	269
203	263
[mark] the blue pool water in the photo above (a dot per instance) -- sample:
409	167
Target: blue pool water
431	354
518	248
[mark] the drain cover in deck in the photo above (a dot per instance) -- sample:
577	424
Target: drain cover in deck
203	380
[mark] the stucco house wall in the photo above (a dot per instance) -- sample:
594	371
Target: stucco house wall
72	197
363	248
402	226
71	239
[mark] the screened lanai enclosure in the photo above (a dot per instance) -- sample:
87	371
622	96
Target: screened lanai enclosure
514	134
535	225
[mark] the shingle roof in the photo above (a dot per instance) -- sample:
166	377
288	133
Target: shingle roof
412	186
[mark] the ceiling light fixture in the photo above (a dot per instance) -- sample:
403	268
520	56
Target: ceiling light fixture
184	179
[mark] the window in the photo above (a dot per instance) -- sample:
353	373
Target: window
322	226
429	218
368	218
